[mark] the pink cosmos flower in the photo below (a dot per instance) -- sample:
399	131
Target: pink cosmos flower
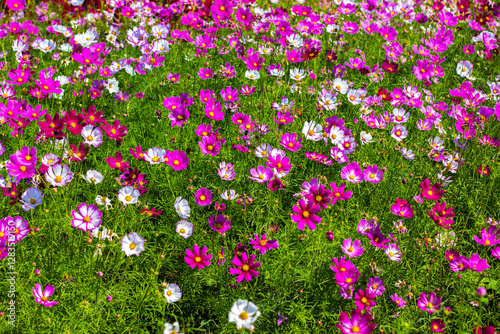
261	174
430	303
339	193
203	196
402	208
352	249
245	267
196	258
356	324
20	229
290	142
398	300
437	326
209	145
219	224
178	160
42	297
488	238
229	94
352	173
431	193
305	214
262	244
364	299
373	174
87	218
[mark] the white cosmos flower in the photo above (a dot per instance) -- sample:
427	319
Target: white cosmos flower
132	244
297	74
365	137
31	198
172	328
93	176
91	135
312	131
155	155
182	208
252	75
231	196
172	292
128	195
58	175
184	228
243	313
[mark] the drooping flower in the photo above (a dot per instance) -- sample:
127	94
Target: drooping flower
219	224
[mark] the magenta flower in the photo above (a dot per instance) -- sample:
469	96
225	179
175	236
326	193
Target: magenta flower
430	303
179	116
341	265
18	170
219	224
197	259
339	193
26	156
261	174
320	196
229	94
376	285
398	300
373	174
488	238
377	238
87	218
477	264
352	249
42	297
262	244
203	196
290	142
431	193
205	73
115	131
245	267
348	278
357	323
364	299
4	249
305	214
352	173
423	70
178	160
402	208
437	326
47	85
442	216
209	145
388	33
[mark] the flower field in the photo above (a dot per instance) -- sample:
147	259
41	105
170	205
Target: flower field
242	165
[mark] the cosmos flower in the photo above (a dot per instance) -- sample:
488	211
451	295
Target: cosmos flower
132	244
197	258
42	296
